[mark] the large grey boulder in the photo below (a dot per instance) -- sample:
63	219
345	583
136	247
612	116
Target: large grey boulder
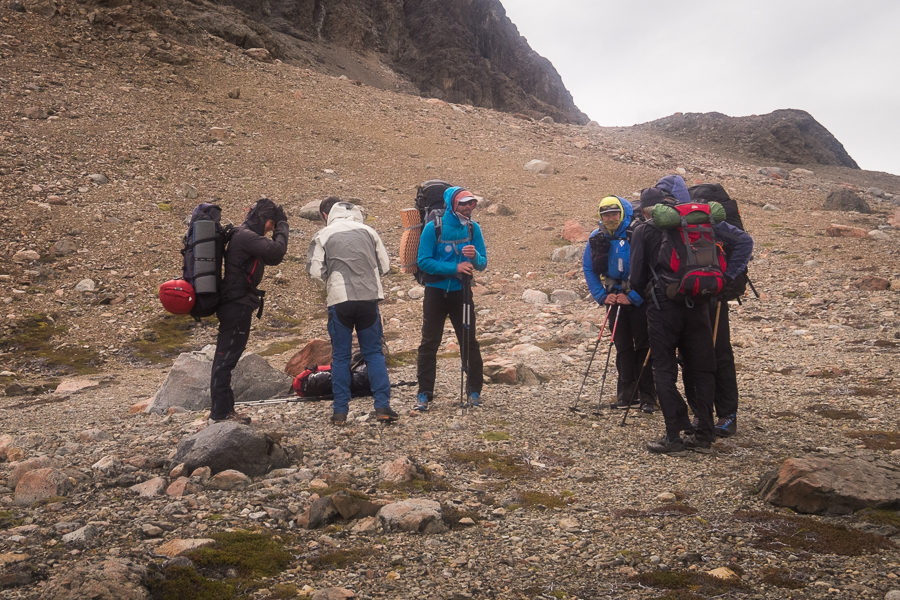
417	515
187	384
229	445
844	199
828	485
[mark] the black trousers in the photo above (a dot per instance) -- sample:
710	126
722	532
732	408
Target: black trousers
234	331
673	327
437	305
726	395
632	344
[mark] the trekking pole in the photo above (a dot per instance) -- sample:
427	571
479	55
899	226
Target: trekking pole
752	287
716	325
612	339
636	386
464	350
574	408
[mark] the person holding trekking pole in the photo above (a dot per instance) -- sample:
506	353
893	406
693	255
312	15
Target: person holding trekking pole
349	257
606	270
451	249
248	251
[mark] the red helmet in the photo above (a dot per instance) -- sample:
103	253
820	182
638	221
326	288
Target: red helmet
177	296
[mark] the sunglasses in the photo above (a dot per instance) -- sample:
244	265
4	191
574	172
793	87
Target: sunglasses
467	202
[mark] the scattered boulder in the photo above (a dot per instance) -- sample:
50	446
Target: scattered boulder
64	247
332	593
774	172
25	256
835	230
149	488
844	199
399	470
229	445
41	484
179	546
18	469
878	235
260	54
229	479
535	297
417	515
510	372
310	211
567	253
319	513
98	178
540	167
500	210
86	285
563	297
316	352
112	579
354	507
872	283
82	537
187	384
573	231
826	485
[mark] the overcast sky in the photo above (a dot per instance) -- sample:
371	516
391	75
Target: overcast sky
632	61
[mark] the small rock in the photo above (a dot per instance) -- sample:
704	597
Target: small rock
85	285
179	546
98	178
540	167
25	256
835	230
535	297
878	235
150	488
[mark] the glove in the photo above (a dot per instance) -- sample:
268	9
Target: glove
279	215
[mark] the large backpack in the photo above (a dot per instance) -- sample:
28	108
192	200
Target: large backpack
693	263
204	247
430	205
714	192
601	244
314	383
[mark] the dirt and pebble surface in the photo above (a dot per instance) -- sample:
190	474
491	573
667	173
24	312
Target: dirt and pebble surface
111	134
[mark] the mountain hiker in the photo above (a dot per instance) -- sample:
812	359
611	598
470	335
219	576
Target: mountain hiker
738	250
606	269
349	257
673	324
451	248
248	251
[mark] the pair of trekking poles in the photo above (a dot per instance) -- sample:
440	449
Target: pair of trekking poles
467	307
612	339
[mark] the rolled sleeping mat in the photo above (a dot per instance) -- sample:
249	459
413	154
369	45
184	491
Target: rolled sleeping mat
409	240
205	280
667	217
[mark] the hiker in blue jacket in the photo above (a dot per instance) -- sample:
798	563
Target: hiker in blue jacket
451	248
606	268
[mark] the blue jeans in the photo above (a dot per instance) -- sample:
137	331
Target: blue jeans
363	316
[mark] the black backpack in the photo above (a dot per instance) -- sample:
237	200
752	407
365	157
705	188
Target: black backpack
714	192
430	204
204	247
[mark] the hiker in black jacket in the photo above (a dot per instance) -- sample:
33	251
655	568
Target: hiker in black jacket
248	251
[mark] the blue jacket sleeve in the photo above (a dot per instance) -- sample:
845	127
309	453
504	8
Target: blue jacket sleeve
740	248
635	298
480	260
595	285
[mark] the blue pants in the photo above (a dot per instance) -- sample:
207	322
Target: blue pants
363	316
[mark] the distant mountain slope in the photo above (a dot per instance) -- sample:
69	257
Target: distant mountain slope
789	136
462	51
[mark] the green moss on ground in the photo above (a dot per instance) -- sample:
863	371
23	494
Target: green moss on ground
494	436
164	339
782	578
8	519
339	559
250	554
537	500
493	463
779	532
692	583
185	583
38	340
878	440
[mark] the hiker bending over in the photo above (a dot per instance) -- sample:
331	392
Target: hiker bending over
450	250
606	268
350	258
248	251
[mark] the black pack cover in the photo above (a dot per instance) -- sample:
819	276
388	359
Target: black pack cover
314	383
430	204
203	252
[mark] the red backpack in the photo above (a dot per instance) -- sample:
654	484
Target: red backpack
693	263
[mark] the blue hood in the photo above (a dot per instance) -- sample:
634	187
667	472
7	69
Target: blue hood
627	212
674	185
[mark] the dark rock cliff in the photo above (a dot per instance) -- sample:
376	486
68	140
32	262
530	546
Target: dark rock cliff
462	51
788	136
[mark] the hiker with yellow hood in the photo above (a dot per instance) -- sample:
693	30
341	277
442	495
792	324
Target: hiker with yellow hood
605	266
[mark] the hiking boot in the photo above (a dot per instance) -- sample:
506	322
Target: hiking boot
648	406
692	442
474	399
726	426
421	402
339	419
667	445
232	416
385	415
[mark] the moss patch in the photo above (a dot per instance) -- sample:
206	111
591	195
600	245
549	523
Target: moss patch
878	440
185	583
781	578
282	591
339	558
494	436
249	554
164	338
871	515
8	519
674	509
836	413
493	463
691	582
280	347
401	359
452	515
31	342
792	532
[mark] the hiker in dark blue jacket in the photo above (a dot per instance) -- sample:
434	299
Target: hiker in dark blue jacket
449	261
606	268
